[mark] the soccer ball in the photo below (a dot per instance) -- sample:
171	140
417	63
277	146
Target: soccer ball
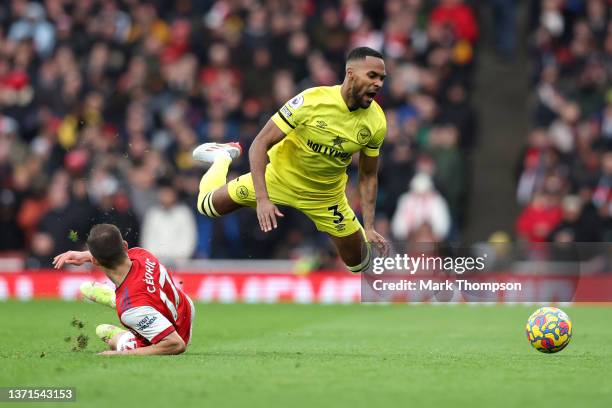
549	329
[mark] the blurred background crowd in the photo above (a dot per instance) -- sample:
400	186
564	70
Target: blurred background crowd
102	102
564	175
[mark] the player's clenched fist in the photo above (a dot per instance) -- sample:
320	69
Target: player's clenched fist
266	214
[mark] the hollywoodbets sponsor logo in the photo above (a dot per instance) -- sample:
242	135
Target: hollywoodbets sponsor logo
327	151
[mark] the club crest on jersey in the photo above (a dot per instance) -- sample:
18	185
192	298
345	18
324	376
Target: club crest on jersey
296	102
364	136
242	192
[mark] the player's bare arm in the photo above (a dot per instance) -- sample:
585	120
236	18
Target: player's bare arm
258	159
72	258
172	344
368	187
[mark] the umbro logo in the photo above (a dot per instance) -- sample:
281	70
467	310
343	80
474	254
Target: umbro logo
321	124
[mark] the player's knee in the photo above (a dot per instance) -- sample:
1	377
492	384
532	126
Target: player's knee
364	264
123	341
205	205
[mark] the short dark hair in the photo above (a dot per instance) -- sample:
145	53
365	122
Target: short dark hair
362	52
106	245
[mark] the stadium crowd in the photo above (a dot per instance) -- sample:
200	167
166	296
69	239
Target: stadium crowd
102	102
565	171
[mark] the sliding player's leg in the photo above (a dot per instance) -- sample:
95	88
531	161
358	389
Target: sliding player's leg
99	293
213	198
116	337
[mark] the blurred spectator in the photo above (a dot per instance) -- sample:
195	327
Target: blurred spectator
34	206
219	238
458	16
458	111
115	209
602	196
169	229
576	226
539	218
31	25
58	221
11	237
42	251
449	165
504	21
421	205
142	192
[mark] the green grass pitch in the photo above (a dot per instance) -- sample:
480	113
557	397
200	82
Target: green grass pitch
314	355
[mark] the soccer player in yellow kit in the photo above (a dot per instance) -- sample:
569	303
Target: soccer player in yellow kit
310	142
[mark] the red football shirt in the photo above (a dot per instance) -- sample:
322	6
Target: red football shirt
150	304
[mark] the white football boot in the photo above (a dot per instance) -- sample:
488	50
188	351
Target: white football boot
208	152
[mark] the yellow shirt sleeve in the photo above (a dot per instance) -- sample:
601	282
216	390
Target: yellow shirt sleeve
372	149
292	114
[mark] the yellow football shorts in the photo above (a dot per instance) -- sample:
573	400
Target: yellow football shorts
330	214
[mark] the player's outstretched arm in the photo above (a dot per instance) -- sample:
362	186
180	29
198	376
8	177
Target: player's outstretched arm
258	159
71	258
368	187
170	345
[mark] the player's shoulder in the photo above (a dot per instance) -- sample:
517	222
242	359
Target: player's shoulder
377	115
304	104
141	253
320	90
378	110
314	95
140	282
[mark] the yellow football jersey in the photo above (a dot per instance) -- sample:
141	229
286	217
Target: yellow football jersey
322	135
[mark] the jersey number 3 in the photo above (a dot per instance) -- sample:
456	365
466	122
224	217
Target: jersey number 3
336	213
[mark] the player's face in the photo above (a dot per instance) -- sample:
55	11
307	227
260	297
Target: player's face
367	77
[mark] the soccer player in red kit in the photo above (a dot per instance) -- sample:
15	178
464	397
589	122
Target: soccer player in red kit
157	314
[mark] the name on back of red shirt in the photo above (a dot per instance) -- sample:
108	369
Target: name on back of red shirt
149	268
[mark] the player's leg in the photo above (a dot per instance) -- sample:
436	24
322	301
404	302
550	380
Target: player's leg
355	252
193	312
337	219
213	198
116	337
217	197
99	293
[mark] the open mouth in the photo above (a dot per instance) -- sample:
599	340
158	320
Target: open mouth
371	95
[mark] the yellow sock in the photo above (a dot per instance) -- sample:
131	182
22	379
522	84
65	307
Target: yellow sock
215	177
